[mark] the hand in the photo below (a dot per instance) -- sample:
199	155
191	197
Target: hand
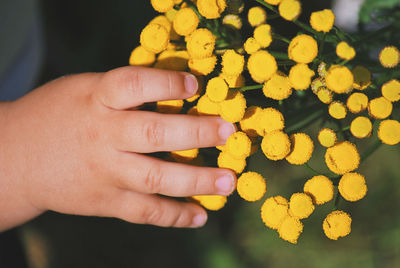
75	145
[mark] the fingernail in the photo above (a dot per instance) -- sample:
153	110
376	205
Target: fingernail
191	84
225	130
225	184
199	220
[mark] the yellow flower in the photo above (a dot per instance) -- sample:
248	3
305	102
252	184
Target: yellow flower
238	145
391	90
389	132
172	60
345	51
270	120
290	9
207	107
278	87
337	224
200	44
380	108
317	83
162	5
233	21
322	71
233	81
357	102
263	35
362	77
211	9
226	160
274	211
261	66
327	137
257	16
303	49
339	79
154	38
337	110
352	187
323	20
170	106
302	149
273	2
276	145
361	127
185	156
325	95
251	186
251	121
202	66
142	57
251	45
185	21
163	21
233	107
300	205
217	89
290	229
389	57
320	188
170	14
211	202
300	76
342	158
232	63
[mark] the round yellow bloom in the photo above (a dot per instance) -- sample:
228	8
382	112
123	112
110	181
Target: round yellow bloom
273	2
154	38
342	158
290	229
251	186
317	83
276	145
325	95
303	49
362	77
211	9
261	65
205	106
322	71
232	63
352	187
302	149
361	127
226	160
257	16
300	205
339	79
142	57
320	188
217	89
389	57
389	132
357	102
290	9
185	21
270	120
170	14
233	21
337	110
391	90
162	5
186	155
170	106
263	35
250	122
327	137
337	224
300	76
211	202
274	211
238	145
172	60
251	45
278	87
380	108
163	21
200	44
323	20
233	81
345	51
233	107
202	66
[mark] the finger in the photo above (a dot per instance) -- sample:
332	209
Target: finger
152	175
131	86
146	132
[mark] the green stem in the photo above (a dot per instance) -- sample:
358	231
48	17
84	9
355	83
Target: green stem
246	88
279	55
280	37
302	124
343	129
311	169
374	34
371	150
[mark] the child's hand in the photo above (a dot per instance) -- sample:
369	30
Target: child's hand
75	146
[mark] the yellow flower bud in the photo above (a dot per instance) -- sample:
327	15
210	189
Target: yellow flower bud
251	186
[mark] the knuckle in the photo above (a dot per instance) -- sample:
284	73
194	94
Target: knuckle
179	220
153	215
153	179
135	83
154	133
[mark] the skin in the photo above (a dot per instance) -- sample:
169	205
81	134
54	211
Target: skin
76	145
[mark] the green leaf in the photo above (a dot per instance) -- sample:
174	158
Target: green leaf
371	6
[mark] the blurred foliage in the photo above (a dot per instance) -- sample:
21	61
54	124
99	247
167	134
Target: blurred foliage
375	8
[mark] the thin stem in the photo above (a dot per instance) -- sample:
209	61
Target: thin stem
281	38
279	55
306	165
302	124
343	129
246	88
374	34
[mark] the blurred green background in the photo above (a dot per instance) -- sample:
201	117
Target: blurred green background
84	36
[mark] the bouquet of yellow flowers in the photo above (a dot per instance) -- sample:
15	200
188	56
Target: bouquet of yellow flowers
273	87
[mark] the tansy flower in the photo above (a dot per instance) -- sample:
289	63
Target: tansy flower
211	9
207	107
320	188
362	77
200	82
325	95
170	14
154	38
261	66
238	145
337	224
233	81
345	51
233	107
162	5
317	83
270	120
257	16
251	45
380	108
163	21
327	137
211	202
389	57
391	90
142	57
302	149
357	102
250	122
172	60
323	20
273	2
290	9
322	71
185	156
290	229
263	35
170	106
300	76
202	66
232	63
303	49
276	145
337	110
389	132
278	87
226	160
352	187
251	186
339	79
274	211
233	20
361	127
300	205
185	21
217	89
200	44
342	158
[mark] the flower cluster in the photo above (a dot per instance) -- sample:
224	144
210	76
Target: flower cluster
317	72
